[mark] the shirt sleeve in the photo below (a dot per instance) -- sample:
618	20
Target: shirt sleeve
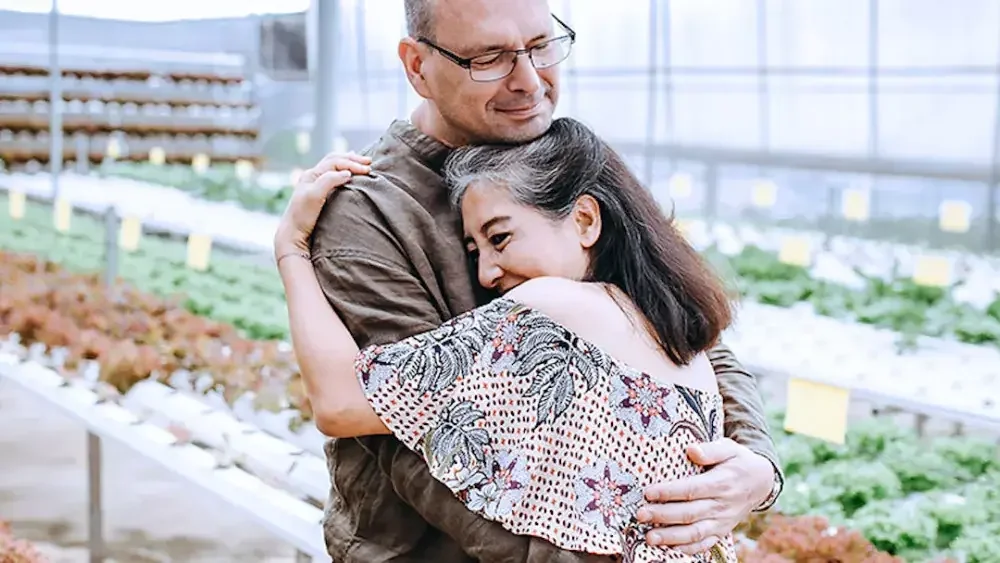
366	277
745	420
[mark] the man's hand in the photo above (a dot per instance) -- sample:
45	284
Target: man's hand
692	514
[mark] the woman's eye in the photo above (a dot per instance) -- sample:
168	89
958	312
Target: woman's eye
497	240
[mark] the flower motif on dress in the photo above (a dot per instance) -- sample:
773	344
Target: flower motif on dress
606	496
372	369
647	407
504	488
486	500
505	344
460	477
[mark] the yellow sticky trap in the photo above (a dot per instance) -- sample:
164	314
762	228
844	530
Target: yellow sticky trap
954	216
157	156
934	271
295	175
199	163
765	193
681	185
817	410
855	205
62	214
114	149
302	142
16	205
244	169
795	251
199	251
129	234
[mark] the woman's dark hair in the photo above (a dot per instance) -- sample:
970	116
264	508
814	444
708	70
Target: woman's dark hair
640	250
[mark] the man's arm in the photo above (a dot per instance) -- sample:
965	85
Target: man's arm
742	471
745	419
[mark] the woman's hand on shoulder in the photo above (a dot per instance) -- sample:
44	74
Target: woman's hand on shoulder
309	196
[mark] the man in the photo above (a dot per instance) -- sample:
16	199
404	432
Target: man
389	255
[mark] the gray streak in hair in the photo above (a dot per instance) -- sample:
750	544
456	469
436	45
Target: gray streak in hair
529	172
419	18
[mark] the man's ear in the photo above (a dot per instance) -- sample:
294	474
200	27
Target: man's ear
411	54
587	219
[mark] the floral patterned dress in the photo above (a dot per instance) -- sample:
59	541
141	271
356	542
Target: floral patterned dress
539	430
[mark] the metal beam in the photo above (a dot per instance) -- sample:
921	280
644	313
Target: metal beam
55	101
940	170
325	126
651	91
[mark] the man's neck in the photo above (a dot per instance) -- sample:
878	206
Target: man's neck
428	121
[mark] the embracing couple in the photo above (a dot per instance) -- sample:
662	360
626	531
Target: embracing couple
516	351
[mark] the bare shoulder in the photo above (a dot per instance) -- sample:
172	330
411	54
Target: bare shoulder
566	301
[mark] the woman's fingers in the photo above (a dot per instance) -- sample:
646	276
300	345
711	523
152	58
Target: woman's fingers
357	164
353	166
332	165
330	180
359	158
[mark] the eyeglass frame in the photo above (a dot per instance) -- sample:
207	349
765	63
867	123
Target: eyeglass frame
466	62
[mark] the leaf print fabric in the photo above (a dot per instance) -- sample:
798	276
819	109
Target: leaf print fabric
537	429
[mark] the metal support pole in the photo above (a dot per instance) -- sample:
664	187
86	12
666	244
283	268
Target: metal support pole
95	517
572	74
110	247
668	78
325	128
95	498
873	87
763	81
55	101
361	37
992	187
651	96
711	193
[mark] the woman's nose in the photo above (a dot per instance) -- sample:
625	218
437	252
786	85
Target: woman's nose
489	274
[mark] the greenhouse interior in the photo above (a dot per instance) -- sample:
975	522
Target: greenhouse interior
835	163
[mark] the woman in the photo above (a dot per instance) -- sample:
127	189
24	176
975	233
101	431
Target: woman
535	415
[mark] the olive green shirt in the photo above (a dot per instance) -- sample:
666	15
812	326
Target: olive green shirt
389	254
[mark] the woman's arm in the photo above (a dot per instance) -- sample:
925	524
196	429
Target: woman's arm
326	352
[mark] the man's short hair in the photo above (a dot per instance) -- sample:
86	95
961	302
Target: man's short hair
419	18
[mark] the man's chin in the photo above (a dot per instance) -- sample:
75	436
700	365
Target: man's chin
524	130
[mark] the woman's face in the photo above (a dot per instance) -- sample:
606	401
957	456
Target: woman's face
514	243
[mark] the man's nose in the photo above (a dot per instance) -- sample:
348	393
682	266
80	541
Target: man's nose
525	77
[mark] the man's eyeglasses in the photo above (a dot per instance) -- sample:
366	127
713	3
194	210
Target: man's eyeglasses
496	65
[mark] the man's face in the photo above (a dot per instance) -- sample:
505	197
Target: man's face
513	109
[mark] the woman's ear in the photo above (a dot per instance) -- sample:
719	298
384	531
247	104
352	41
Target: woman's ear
587	220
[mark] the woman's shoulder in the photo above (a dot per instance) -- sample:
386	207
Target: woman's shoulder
564	300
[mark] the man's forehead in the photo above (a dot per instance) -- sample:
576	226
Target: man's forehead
480	25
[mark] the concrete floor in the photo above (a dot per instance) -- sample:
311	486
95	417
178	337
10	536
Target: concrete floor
150	515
